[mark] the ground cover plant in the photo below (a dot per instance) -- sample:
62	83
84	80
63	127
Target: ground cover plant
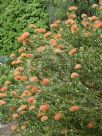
54	87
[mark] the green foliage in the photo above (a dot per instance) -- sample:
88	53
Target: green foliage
15	16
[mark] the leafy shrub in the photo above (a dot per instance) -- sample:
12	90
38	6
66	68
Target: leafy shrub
49	92
15	16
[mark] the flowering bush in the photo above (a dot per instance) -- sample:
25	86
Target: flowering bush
49	92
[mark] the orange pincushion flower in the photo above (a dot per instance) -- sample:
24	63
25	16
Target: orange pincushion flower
23	107
29	55
18	77
39	115
57	116
74	28
97	24
31	100
40	30
44	107
13	127
3	89
57	22
40	49
73	51
31	108
15	116
57	36
74	75
53	25
53	42
90	125
73	16
77	66
74	108
20	50
26	93
3	95
28	86
23	78
23	37
60	47
34	89
13	62
19	69
93	18
45	81
72	8
47	34
69	22
33	79
44	118
2	102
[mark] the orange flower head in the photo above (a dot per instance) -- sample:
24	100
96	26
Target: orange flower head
47	34
90	125
74	75
73	16
77	66
40	49
73	51
57	22
3	95
72	8
2	102
33	79
20	50
31	100
74	108
3	89
45	81
23	78
26	93
57	36
31	108
44	107
44	118
23	37
74	28
53	25
53	42
29	55
57	116
39	115
40	30
21	108
13	127
69	22
34	89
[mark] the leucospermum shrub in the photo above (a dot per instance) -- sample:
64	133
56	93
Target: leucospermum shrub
46	95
